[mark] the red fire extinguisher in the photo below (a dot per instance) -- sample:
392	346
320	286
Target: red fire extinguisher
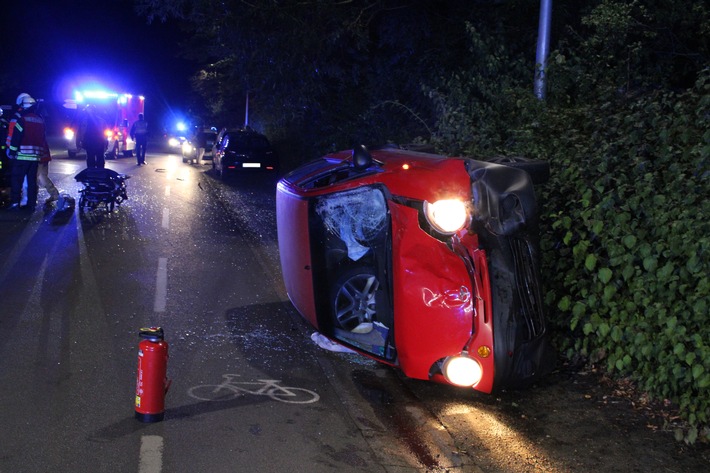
151	380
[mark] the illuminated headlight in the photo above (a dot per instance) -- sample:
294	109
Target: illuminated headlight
109	134
173	142
68	134
446	216
186	148
462	371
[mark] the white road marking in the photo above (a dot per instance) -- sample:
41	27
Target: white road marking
151	456
161	285
167	191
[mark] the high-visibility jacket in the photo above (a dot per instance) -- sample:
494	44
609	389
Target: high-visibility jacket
26	138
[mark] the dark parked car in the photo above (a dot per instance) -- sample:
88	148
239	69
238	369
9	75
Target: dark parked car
421	261
242	150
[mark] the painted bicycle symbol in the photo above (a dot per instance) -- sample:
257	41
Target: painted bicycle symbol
231	389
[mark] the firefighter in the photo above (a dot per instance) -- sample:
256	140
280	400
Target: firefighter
26	146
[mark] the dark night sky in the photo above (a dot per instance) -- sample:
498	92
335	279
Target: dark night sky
51	46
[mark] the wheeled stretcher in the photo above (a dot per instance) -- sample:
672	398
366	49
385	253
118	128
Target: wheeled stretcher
102	187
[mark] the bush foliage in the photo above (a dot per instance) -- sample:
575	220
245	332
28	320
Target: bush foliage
627	242
626	245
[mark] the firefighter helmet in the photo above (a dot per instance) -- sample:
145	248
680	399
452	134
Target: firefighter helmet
25	100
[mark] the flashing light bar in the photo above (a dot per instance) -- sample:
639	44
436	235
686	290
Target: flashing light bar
81	96
93	94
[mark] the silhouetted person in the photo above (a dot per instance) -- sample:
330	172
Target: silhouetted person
92	137
139	134
200	144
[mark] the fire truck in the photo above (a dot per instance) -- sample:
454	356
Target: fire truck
119	111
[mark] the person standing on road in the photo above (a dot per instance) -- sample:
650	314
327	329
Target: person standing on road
92	137
200	144
43	179
139	134
26	146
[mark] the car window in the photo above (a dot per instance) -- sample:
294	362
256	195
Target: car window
246	141
323	173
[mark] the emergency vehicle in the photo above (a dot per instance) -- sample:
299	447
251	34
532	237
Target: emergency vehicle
118	110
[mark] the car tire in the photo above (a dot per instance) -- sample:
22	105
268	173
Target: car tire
539	171
353	299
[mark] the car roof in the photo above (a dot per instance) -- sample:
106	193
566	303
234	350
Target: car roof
406	173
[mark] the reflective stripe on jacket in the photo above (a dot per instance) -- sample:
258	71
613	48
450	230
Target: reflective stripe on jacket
26	137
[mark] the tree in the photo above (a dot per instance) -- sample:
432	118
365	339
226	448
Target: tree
327	73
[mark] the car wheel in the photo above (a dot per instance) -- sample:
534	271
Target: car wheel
354	299
539	171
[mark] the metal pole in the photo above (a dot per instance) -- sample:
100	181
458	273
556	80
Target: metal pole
543	48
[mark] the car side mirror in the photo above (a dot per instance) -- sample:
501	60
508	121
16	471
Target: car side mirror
361	158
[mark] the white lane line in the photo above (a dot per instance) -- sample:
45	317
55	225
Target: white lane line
161	285
166	218
151	456
167	191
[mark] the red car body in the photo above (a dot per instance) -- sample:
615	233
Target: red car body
354	240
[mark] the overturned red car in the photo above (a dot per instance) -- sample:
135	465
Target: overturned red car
425	262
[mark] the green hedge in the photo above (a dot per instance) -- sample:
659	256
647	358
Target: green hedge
626	248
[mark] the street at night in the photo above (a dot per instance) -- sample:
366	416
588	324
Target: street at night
465	236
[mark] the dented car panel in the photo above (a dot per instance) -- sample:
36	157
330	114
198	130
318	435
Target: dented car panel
372	261
433	295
